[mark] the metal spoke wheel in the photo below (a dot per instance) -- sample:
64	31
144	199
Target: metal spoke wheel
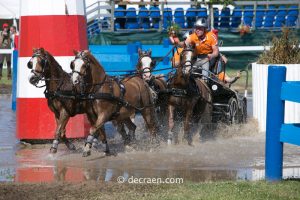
233	111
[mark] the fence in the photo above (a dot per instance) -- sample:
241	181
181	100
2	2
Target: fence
277	132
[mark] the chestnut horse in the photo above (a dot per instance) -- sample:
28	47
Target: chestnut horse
59	93
188	94
112	99
157	84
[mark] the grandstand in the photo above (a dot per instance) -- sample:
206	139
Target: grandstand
106	16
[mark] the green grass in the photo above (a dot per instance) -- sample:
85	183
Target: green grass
218	190
4	78
234	190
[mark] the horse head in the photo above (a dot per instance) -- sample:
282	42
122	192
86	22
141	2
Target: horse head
80	66
145	64
38	65
86	70
186	60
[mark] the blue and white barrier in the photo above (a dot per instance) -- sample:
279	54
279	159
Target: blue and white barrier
277	132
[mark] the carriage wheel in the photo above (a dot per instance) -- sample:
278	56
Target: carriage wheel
233	111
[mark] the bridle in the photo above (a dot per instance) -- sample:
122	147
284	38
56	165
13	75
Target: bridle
38	75
186	63
86	61
152	64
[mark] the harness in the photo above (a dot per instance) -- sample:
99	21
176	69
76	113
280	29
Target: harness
94	95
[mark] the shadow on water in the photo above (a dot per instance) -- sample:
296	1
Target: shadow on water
237	153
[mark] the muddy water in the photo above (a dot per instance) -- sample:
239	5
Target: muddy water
234	153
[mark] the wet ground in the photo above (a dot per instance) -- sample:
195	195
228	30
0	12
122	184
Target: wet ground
235	152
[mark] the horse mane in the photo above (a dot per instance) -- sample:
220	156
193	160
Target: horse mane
53	62
94	61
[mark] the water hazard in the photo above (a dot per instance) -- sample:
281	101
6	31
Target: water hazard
235	153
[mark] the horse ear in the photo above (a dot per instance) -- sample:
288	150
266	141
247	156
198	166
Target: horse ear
42	50
75	52
150	52
140	51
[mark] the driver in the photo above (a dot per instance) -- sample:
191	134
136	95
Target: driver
205	44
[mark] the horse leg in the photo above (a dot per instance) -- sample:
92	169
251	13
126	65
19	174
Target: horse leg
61	122
98	126
206	132
64	118
187	124
148	115
171	124
121	129
131	126
132	117
92	119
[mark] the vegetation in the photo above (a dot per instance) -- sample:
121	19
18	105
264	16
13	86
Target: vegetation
284	50
174	29
98	190
4	78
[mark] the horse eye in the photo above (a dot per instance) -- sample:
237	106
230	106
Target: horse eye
72	65
29	65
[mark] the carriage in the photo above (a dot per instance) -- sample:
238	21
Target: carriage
229	105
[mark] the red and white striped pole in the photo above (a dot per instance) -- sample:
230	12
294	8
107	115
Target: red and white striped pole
59	26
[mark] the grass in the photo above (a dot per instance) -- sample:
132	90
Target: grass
4	78
244	190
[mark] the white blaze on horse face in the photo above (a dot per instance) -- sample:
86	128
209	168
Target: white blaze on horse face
188	61
77	67
34	61
146	65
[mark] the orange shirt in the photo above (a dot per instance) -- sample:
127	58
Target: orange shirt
221	76
204	46
176	57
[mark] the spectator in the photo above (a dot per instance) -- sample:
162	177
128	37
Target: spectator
14	36
5	43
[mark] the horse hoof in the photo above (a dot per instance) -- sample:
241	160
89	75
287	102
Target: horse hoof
86	153
53	150
110	153
71	147
129	148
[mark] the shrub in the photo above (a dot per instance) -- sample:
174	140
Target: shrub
284	50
